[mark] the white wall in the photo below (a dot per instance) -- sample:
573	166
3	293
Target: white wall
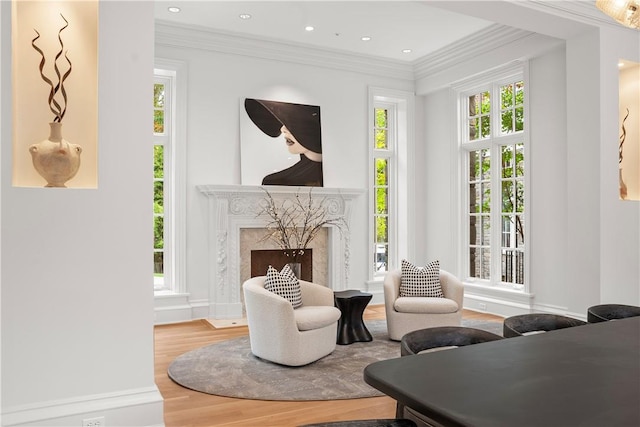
619	220
218	82
77	302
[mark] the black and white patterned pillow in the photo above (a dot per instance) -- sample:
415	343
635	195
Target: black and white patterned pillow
285	284
420	281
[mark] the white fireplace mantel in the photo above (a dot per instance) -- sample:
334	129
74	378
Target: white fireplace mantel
234	207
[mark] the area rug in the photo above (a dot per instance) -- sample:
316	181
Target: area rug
229	369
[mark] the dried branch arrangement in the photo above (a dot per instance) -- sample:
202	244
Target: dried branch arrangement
293	223
57	109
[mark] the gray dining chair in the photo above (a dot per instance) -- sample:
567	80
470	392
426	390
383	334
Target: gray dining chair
436	339
527	324
606	312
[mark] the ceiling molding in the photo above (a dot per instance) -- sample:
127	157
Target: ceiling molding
183	36
477	44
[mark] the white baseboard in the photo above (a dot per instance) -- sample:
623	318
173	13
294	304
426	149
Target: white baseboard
136	407
175	308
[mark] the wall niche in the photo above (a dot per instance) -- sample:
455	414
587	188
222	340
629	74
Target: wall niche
55	93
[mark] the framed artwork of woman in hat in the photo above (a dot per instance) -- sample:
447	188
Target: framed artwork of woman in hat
298	126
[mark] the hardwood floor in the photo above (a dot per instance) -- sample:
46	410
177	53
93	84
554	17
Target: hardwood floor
185	408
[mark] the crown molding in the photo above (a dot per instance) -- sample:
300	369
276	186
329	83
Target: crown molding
183	36
477	44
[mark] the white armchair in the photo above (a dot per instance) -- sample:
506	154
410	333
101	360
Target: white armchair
406	314
293	337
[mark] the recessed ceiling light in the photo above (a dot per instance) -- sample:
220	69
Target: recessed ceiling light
309	28
174	9
620	64
244	16
406	50
365	38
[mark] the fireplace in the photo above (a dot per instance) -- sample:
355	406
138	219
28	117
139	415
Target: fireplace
261	259
233	216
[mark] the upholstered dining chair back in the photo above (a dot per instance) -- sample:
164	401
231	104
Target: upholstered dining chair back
526	324
606	312
443	337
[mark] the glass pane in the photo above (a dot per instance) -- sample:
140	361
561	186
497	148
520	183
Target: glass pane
519	119
381	229
474	198
158	121
486	164
519	163
486	197
381	117
486	102
474	235
158	197
507	161
520	231
508	196
474	126
519	196
507	121
158	263
474	262
485	124
158	161
508	230
486	230
474	166
485	256
474	105
506	96
158	232
381	139
381	257
382	172
519	93
382	201
158	95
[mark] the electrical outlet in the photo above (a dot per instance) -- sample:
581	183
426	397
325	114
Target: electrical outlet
482	306
93	422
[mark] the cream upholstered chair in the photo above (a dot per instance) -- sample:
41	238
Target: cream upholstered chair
293	337
406	314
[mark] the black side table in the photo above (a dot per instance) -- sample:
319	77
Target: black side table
351	328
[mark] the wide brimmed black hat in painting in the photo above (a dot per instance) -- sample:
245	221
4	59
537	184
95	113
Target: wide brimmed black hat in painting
303	121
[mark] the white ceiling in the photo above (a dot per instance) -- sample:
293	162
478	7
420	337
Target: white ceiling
339	25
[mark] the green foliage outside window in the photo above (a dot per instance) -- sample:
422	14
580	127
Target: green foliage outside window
158	184
158	108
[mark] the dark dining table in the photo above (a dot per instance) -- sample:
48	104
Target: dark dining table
581	376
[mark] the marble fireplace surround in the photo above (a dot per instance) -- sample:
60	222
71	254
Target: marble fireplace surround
233	208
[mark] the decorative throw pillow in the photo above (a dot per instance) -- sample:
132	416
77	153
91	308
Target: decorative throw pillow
285	284
420	281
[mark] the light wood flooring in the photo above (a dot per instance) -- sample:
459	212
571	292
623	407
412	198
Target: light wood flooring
185	408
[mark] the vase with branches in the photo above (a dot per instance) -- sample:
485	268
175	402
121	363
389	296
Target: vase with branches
292	223
55	159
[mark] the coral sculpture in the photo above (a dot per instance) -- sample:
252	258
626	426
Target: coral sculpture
54	105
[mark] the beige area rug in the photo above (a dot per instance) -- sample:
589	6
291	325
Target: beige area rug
230	369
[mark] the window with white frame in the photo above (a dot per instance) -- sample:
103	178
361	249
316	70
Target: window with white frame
169	152
493	154
384	167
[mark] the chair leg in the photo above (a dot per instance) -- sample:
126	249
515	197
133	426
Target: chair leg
399	410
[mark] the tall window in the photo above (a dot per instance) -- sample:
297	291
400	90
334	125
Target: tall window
162	179
493	148
383	164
